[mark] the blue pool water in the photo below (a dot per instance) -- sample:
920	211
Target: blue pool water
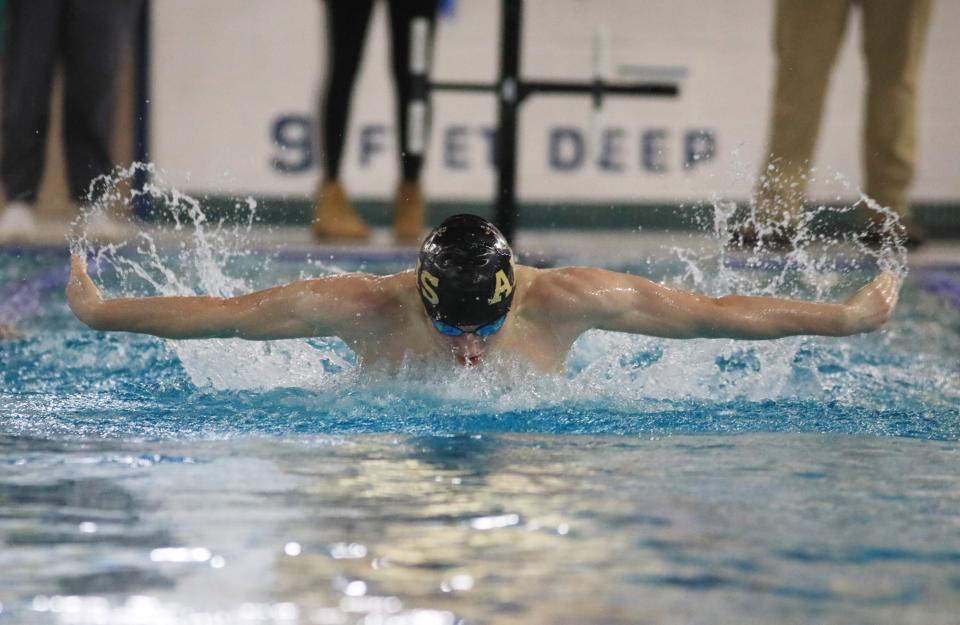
802	480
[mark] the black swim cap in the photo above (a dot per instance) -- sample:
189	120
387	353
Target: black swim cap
465	272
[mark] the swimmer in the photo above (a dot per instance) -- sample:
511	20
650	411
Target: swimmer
467	299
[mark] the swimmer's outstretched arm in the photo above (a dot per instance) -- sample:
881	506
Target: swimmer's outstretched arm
323	307
620	302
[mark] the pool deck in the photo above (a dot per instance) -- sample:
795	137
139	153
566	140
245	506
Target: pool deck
615	245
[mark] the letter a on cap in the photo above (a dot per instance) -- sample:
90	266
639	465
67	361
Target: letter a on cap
503	288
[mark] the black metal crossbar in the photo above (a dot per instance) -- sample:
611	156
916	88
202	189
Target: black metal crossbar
511	91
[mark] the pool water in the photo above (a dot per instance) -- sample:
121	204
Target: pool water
656	481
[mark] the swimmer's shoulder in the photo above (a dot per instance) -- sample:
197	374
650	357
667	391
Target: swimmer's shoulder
395	283
554	281
396	290
366	289
557	294
549	291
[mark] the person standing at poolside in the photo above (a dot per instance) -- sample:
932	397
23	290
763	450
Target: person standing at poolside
467	299
87	38
807	39
347	24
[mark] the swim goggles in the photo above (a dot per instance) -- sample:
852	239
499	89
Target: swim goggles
483	331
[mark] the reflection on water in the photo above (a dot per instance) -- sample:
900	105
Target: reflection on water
481	529
76	534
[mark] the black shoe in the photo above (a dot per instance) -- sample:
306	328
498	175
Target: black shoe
916	234
907	232
778	238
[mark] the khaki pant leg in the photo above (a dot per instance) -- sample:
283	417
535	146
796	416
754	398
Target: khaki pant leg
894	36
808	34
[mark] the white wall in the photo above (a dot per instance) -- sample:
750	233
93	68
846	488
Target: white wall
224	71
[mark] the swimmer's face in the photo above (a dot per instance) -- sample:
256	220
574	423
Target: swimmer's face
469	347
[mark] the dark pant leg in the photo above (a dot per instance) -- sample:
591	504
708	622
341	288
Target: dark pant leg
402	12
347	22
32	48
96	34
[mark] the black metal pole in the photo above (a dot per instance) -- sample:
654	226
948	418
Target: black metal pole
142	204
511	20
511	92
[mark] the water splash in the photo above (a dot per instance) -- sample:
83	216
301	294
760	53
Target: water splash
202	258
605	370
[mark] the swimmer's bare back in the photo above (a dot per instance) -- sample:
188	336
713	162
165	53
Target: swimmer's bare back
382	319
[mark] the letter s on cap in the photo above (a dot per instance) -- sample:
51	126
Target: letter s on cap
427	282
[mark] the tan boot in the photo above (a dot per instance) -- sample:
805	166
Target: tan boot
334	216
408	212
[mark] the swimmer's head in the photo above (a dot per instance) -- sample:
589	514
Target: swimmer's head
465	274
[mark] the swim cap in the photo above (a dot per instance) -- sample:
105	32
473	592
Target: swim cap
465	272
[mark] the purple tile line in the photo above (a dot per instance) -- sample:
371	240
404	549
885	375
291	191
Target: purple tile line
941	283
20	300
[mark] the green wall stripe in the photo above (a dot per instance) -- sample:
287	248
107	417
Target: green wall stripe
942	220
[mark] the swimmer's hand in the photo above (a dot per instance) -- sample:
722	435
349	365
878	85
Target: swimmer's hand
83	296
871	307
